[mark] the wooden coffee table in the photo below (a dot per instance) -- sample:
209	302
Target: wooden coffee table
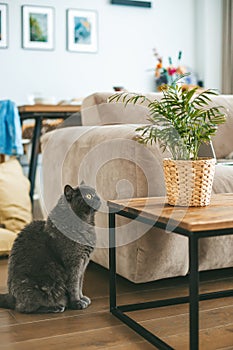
193	223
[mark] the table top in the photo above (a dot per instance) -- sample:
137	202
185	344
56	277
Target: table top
42	108
218	215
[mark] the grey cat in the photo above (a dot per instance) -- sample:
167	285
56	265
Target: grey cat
49	258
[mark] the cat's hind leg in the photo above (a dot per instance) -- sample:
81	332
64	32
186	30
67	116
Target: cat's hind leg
40	299
50	309
36	309
32	307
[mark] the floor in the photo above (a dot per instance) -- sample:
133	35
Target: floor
95	328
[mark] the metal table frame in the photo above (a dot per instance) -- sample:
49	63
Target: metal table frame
193	297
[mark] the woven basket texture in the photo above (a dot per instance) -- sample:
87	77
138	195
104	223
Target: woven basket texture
189	182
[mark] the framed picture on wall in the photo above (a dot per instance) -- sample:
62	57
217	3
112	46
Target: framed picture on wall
81	30
3	26
37	27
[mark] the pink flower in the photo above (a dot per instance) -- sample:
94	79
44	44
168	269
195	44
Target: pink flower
171	70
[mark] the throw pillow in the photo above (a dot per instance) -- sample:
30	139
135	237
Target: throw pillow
6	241
15	204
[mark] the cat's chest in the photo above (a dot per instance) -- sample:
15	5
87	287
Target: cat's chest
75	253
76	262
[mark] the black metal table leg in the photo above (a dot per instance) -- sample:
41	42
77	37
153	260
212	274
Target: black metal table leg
193	293
34	154
112	261
193	298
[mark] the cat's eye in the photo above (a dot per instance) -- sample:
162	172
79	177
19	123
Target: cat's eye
88	196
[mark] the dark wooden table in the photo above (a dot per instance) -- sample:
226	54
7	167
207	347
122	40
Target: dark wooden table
192	222
38	113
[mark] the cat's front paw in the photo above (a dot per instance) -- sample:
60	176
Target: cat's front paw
79	304
86	299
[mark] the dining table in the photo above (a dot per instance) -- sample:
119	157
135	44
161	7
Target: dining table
38	113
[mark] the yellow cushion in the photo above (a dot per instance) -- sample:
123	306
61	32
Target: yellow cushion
6	241
15	204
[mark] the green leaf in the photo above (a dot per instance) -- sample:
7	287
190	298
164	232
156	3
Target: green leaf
180	121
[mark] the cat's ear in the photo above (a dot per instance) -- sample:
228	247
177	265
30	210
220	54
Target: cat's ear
68	192
82	182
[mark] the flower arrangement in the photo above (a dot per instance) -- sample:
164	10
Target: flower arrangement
166	75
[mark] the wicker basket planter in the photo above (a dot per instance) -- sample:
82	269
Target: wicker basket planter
189	182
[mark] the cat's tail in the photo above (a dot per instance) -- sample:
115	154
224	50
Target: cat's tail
7	301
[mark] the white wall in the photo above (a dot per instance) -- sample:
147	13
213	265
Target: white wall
126	35
208	42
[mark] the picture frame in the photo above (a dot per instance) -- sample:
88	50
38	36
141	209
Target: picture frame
37	27
82	31
140	3
3	26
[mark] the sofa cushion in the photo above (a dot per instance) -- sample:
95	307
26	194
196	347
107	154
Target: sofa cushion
223	179
15	204
7	238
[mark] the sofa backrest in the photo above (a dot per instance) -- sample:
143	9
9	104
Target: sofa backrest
223	140
96	110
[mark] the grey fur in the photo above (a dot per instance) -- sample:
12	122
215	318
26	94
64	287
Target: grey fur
49	258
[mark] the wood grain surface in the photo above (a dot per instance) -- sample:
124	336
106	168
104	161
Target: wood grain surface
217	215
37	108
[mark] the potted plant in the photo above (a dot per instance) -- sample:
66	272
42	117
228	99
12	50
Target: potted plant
181	121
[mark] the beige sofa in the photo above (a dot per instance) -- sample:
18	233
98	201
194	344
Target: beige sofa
103	152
